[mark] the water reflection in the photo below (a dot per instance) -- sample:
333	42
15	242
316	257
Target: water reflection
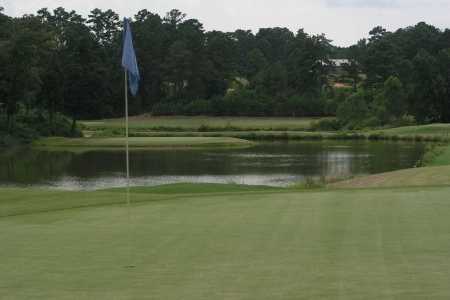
276	164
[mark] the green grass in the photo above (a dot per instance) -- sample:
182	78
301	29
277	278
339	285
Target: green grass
254	128
225	242
28	201
203	123
389	240
441	130
428	176
200	188
440	156
144	142
252	135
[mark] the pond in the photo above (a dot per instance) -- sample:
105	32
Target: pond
274	164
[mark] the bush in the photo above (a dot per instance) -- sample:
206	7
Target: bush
28	126
331	106
353	111
243	102
371	122
36	124
337	97
305	105
198	107
326	125
168	108
406	120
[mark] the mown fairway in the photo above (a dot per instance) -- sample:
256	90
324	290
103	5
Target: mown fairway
236	243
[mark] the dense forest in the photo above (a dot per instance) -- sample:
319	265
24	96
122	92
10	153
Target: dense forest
58	63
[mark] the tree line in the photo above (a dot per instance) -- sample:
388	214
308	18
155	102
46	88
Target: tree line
399	75
56	63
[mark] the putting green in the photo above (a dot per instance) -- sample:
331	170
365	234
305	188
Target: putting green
144	142
225	242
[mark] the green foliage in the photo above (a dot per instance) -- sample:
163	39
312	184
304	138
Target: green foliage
394	97
383	106
353	111
410	69
307	62
389	104
334	98
29	125
168	108
60	62
244	102
305	105
68	64
327	125
198	107
272	81
405	120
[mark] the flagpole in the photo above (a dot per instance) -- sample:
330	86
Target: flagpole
129	64
126	135
127	146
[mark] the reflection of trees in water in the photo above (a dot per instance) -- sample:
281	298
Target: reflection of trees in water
94	164
370	158
309	159
28	166
336	164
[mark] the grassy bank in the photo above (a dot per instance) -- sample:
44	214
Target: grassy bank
443	158
428	176
433	130
144	142
276	135
202	123
437	155
435	170
236	243
256	129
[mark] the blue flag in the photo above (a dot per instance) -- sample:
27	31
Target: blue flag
129	61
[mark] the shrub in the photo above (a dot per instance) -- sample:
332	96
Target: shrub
198	107
326	125
406	120
30	125
168	108
353	111
305	105
244	102
338	97
371	122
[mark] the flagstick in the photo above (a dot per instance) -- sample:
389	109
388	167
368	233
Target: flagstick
126	132
128	171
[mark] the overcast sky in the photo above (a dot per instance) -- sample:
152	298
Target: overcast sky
343	21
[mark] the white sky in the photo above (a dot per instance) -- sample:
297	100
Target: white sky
343	21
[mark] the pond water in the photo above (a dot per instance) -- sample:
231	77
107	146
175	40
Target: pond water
275	164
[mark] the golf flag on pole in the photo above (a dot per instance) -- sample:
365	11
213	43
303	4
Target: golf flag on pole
131	79
129	61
